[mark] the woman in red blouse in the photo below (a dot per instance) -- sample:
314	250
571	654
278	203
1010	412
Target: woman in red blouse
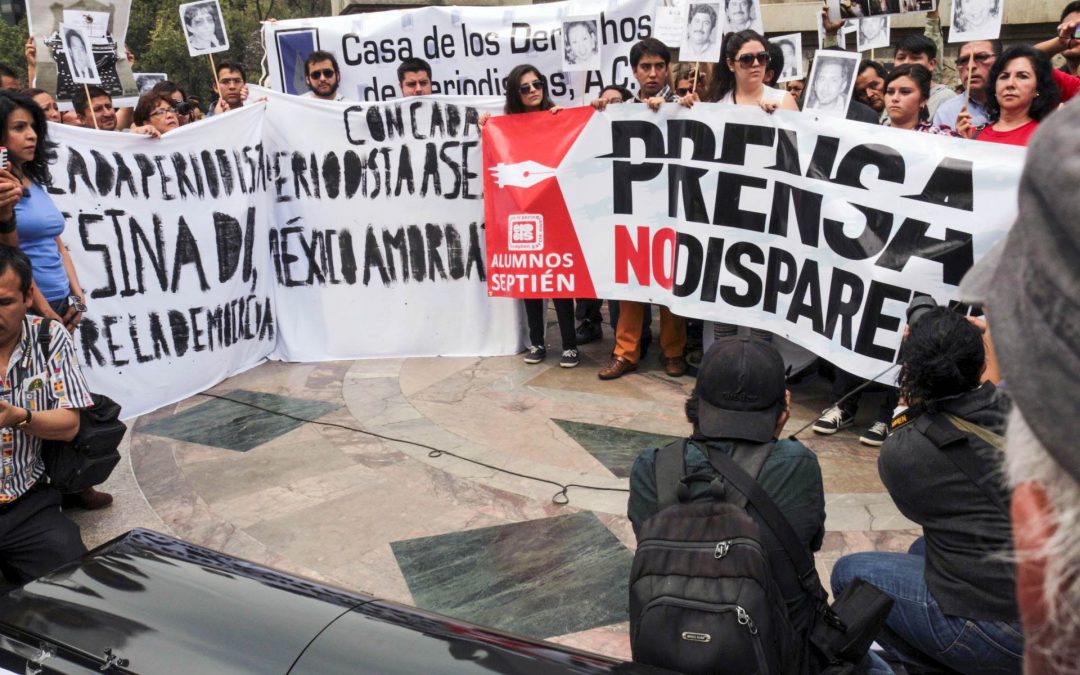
1023	93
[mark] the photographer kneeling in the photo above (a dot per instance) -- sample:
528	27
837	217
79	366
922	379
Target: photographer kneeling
954	589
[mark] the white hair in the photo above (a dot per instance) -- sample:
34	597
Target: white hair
1028	461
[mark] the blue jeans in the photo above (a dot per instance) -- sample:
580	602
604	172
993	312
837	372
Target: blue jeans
917	633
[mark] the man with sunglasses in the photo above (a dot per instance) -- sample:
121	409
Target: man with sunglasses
323	76
980	55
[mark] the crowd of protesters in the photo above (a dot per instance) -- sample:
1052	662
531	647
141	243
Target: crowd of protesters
956	608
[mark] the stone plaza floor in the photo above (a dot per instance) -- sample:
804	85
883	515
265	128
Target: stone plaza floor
400	522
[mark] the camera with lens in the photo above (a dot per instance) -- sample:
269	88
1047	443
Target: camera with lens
183	108
918	307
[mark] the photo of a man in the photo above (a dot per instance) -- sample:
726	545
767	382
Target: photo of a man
873	33
80	60
581	47
742	15
831	79
702	41
791	48
204	28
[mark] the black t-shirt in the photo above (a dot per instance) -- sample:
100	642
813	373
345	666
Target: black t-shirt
968	536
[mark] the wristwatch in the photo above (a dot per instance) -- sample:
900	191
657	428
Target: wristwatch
26	422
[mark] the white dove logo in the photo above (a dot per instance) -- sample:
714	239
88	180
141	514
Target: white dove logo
522	174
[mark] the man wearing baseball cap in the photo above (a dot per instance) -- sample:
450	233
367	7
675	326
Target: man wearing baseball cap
741	402
1029	286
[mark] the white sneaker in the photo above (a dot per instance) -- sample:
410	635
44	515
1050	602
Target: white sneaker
875	436
832	420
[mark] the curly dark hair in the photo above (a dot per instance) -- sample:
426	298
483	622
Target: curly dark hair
37	169
723	78
514	103
1047	95
942	356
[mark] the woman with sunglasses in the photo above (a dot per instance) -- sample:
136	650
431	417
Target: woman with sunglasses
740	79
526	92
907	89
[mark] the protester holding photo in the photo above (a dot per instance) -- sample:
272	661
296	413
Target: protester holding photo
527	91
157	110
907	89
230	87
1021	93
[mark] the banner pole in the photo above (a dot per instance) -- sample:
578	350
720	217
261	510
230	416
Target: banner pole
693	85
967	85
90	104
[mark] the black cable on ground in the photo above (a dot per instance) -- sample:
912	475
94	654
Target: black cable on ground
561	497
845	397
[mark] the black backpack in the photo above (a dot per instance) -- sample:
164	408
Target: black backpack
89	458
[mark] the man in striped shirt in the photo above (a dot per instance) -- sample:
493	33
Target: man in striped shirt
40	395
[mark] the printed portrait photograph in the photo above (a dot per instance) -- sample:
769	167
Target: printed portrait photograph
791	48
831	79
80	56
975	20
147	81
204	27
702	39
581	43
872	33
742	15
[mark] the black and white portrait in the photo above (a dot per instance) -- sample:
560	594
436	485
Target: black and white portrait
204	27
791	48
742	15
873	33
147	81
975	20
831	80
581	43
702	39
80	57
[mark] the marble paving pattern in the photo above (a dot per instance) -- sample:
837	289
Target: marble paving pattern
540	578
386	516
616	448
236	426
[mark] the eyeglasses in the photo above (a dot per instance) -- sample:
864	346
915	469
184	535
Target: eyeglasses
748	60
231	81
529	86
163	112
324	74
682	91
981	57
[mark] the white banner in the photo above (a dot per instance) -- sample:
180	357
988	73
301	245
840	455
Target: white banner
376	230
168	239
817	229
471	49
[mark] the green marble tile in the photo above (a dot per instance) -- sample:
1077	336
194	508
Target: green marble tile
234	426
540	578
615	448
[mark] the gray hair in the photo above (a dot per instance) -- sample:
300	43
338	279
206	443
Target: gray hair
1027	461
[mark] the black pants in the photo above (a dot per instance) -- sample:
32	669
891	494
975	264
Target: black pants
589	310
845	382
535	312
35	537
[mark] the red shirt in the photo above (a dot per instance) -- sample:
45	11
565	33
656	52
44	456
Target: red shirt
1018	136
1067	84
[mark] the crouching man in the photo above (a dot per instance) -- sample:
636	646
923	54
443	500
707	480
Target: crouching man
40	395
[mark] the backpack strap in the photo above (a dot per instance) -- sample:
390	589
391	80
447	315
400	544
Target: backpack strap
669	469
942	431
44	335
773	517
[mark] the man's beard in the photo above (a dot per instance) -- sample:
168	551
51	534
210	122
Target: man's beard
333	89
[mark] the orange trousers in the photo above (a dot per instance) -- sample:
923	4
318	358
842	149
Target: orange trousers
628	332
